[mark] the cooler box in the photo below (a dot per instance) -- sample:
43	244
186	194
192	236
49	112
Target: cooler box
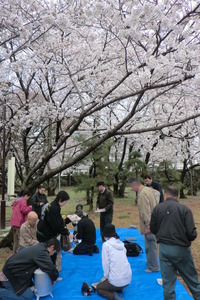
43	285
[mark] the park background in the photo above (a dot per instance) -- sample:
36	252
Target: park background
100	90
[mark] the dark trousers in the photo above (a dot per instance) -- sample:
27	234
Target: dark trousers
106	289
83	248
177	258
105	218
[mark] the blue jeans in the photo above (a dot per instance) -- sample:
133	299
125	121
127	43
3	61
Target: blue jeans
9	293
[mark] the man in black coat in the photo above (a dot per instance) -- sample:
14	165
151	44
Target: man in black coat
155	185
173	224
19	269
104	205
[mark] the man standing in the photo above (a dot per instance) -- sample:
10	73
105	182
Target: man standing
28	231
18	270
155	185
105	205
173	224
146	204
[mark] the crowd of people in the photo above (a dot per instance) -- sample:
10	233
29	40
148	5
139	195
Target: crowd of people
38	229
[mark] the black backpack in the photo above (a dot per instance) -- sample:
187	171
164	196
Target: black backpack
132	249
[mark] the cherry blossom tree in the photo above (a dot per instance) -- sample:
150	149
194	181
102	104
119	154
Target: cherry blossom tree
94	69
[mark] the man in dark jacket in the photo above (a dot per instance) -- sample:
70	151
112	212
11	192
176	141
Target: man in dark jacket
155	185
104	205
86	232
18	270
38	200
173	225
52	223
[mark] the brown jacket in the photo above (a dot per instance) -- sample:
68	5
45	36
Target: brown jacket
146	203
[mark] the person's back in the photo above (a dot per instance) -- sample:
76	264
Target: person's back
86	230
171	227
116	268
119	271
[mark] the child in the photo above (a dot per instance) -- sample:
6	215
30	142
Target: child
116	268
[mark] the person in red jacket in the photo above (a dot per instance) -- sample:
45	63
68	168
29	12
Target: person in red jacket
20	211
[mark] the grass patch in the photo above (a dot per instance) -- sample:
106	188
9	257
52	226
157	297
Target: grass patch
124	217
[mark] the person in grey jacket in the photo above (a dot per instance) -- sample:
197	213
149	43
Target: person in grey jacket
173	224
18	270
116	268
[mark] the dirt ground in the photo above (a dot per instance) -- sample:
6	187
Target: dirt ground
127	214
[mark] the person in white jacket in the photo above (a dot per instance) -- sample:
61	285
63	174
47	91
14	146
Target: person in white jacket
116	268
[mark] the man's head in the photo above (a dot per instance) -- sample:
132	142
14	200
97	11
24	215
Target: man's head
135	184
52	246
79	210
148	180
32	218
41	189
62	198
171	192
100	186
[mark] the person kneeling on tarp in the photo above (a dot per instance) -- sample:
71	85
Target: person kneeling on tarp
87	234
116	268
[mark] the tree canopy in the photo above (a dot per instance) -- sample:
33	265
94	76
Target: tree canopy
95	69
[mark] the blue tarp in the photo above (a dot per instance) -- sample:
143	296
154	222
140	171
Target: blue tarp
79	268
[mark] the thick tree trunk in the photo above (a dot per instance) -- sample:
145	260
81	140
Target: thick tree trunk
7	241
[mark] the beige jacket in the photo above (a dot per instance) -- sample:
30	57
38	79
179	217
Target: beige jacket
146	203
28	235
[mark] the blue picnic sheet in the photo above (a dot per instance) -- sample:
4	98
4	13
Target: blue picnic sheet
79	268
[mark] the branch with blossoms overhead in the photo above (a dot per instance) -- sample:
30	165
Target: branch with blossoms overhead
91	70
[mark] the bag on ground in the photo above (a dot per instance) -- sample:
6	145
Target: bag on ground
132	249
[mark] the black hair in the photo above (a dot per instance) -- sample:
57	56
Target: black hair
79	206
41	186
147	177
62	196
100	183
25	192
171	191
53	242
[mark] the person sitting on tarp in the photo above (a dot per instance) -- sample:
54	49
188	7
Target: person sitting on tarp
79	212
86	232
116	268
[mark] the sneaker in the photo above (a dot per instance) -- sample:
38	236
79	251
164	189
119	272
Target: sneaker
116	297
59	279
